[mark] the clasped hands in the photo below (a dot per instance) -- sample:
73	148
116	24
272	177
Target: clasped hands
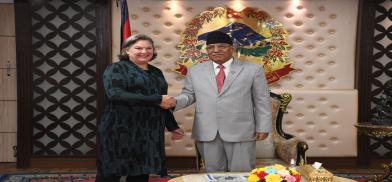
168	102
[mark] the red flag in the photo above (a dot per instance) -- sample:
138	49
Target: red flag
125	25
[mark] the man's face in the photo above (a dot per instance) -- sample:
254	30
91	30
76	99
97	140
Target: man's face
220	52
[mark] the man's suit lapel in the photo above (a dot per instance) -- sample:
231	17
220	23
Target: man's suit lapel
210	73
236	68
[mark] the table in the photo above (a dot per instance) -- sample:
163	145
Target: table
201	178
377	131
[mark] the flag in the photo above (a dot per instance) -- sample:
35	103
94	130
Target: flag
125	25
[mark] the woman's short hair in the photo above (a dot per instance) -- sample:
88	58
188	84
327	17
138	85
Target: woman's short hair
131	41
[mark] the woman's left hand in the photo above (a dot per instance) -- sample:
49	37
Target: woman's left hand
177	134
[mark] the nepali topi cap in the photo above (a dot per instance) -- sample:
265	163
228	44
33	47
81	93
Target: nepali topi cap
218	37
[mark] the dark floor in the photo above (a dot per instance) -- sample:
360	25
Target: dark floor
11	168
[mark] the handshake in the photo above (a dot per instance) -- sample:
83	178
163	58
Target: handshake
168	102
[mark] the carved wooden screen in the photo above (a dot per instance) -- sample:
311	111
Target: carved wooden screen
381	71
62	78
374	70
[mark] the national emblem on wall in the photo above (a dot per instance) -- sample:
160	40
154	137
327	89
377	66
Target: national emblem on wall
257	37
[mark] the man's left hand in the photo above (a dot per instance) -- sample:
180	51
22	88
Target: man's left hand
261	136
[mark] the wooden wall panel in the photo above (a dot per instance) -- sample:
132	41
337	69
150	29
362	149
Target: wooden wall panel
8	92
8	84
7	19
7	52
7	143
8	116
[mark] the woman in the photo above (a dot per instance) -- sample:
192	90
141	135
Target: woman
131	129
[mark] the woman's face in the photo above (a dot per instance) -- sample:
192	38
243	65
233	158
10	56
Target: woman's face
141	52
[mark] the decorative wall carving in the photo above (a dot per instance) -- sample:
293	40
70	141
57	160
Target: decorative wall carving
381	69
64	77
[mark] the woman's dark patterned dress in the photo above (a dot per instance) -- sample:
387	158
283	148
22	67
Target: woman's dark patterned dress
131	129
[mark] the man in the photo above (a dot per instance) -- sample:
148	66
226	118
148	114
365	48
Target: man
233	107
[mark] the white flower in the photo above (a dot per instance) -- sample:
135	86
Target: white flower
284	173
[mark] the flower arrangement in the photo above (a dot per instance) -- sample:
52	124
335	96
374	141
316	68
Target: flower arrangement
275	173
